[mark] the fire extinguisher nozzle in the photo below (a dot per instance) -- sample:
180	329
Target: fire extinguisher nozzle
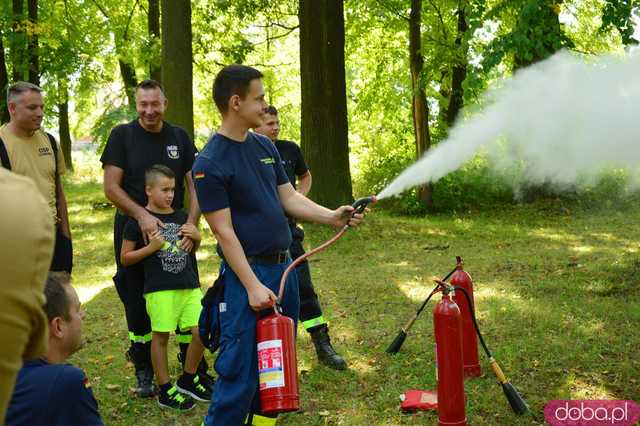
518	404
395	346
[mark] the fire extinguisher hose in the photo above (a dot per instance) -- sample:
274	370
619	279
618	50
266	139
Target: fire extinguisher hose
359	206
396	344
518	404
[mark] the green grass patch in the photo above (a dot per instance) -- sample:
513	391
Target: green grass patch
557	294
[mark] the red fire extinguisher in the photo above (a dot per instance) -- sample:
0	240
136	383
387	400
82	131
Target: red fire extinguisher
277	364
469	339
447	324
276	344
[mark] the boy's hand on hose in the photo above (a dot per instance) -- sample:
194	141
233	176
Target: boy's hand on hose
261	297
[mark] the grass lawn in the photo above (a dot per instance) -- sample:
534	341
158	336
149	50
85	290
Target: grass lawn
557	294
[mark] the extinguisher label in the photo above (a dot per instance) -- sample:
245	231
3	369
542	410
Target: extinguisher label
270	368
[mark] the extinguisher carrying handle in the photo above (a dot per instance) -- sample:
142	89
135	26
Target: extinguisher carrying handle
277	310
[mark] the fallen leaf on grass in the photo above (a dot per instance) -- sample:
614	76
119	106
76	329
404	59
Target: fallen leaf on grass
324	413
112	387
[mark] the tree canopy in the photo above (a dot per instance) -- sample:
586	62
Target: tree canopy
88	56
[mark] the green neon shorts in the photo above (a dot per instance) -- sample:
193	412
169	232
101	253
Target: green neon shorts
170	308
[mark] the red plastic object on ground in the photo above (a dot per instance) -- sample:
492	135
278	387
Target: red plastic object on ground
277	364
413	400
462	279
447	324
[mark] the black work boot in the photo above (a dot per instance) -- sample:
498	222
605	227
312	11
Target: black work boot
206	379
140	355
326	354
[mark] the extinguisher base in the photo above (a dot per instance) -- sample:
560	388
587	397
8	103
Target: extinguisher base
459	423
472	370
280	405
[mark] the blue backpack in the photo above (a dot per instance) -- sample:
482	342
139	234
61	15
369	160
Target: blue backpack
209	321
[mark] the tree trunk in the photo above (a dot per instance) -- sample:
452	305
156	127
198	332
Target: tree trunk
153	22
4	82
63	122
128	74
177	62
18	43
420	108
324	128
459	74
34	65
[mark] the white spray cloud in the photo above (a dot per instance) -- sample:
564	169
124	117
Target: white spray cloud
563	118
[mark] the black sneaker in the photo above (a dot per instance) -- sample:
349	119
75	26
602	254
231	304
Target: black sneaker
206	379
174	399
192	386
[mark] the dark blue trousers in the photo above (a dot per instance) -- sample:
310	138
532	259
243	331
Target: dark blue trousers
235	393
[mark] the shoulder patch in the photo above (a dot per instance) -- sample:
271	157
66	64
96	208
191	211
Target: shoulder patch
198	175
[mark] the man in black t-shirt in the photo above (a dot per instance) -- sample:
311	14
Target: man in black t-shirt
131	149
300	177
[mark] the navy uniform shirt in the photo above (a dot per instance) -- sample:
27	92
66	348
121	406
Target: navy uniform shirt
244	177
52	395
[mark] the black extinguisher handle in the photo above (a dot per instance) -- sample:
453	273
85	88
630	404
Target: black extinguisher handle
361	203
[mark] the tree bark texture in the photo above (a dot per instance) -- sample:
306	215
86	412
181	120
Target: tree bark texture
153	22
459	73
420	108
324	128
177	62
63	121
32	51
19	43
4	82
128	74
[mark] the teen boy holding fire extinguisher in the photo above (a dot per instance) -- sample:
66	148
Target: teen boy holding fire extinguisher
244	193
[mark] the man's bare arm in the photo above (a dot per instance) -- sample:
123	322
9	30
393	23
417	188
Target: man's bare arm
61	206
300	207
194	208
304	183
112	184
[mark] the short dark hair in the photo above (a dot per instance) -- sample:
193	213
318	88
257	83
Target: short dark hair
271	110
149	84
20	87
152	173
232	80
57	304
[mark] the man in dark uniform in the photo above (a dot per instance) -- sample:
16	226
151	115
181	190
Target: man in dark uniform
48	390
310	310
131	149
